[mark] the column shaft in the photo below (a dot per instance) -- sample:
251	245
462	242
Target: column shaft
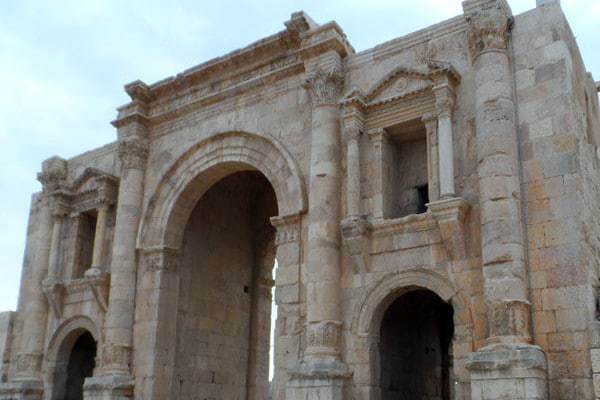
353	176
99	237
120	316
54	258
323	259
502	250
446	155
35	308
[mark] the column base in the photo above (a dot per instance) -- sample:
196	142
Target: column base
508	371
323	380
108	388
22	390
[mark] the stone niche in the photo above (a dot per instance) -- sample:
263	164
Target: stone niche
405	170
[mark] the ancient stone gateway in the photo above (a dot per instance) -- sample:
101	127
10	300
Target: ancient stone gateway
426	211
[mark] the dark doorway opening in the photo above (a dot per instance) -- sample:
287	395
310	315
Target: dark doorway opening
82	362
415	352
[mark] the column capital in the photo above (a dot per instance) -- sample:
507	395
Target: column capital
325	87
445	100
133	152
54	174
377	135
489	28
60	203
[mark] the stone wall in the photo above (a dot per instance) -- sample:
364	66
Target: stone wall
561	191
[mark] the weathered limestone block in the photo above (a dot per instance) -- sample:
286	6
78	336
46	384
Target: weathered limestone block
6	326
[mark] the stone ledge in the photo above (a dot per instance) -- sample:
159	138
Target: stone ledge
504	357
108	388
23	390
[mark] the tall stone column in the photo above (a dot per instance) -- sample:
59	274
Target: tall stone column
114	380
509	364
27	383
322	355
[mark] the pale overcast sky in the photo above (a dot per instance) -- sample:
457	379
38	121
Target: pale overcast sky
63	65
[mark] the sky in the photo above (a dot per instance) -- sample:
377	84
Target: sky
63	65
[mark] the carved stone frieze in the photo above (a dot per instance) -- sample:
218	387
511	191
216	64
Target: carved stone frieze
133	152
489	30
325	87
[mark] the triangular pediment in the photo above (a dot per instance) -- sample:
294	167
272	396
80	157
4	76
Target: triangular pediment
90	180
399	83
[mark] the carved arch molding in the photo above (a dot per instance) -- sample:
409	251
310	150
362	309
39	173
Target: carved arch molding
206	163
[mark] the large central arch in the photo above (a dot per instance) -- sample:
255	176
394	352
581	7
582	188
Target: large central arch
206	163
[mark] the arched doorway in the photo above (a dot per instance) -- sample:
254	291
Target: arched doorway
76	360
415	348
224	306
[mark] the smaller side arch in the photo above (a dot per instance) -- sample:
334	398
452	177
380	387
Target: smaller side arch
68	331
375	301
59	351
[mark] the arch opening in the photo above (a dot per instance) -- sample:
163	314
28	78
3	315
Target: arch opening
415	352
225	296
76	362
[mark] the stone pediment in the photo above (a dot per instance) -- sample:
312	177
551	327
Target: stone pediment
404	82
399	83
92	180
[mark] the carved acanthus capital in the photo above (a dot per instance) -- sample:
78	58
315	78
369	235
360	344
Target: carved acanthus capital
133	152
325	87
489	30
444	101
54	174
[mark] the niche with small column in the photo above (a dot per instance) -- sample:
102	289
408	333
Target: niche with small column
407	117
86	241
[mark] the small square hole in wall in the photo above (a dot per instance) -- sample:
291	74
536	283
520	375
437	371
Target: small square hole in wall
246	289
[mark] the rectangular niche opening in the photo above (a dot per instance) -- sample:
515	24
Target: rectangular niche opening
85	237
405	170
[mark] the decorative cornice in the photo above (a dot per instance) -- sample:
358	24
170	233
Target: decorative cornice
325	87
489	30
133	152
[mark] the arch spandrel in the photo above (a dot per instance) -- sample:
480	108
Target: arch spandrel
375	301
206	163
